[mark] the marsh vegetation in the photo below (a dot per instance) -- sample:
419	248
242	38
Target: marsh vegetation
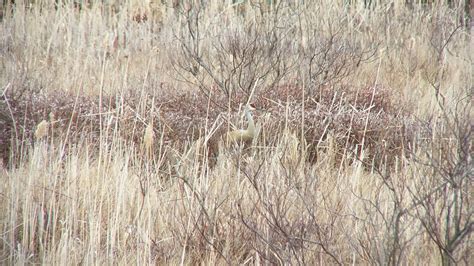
109	112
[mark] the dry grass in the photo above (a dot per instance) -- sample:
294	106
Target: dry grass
108	128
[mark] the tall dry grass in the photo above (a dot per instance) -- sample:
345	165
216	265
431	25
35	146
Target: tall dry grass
365	153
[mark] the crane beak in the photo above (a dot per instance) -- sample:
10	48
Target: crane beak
251	107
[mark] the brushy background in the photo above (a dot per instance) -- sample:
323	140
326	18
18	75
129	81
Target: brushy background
364	154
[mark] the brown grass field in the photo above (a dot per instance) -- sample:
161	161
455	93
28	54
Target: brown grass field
113	116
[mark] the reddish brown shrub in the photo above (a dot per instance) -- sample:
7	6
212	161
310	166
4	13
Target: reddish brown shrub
353	116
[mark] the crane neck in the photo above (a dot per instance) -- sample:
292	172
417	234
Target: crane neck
251	123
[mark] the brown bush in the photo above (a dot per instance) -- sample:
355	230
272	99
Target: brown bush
355	118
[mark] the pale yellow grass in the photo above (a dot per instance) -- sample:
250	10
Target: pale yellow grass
266	204
89	209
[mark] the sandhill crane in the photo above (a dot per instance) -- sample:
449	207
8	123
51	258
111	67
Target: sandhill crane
243	135
217	142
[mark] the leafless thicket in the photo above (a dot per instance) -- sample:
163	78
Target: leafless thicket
285	45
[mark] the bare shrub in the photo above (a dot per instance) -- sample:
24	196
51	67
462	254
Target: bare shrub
443	196
361	119
260	55
235	60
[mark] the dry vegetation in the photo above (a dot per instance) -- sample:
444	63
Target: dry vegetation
109	116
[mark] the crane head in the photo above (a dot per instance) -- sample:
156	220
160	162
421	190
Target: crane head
249	107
